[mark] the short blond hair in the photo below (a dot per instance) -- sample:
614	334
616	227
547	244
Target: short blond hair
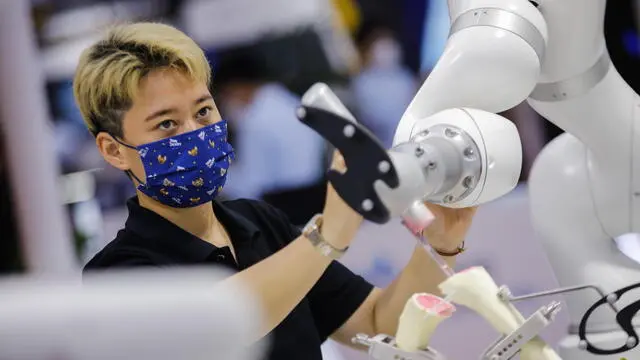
109	72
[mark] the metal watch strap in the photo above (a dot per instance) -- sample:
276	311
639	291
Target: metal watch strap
312	232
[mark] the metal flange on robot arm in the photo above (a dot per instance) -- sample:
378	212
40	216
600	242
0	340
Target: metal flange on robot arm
457	158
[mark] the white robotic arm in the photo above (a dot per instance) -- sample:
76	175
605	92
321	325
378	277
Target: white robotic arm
491	61
450	147
584	187
457	157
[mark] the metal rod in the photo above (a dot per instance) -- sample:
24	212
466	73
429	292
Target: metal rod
446	269
562	291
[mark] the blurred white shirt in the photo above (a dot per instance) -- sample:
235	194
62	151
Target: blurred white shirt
382	96
274	150
383	90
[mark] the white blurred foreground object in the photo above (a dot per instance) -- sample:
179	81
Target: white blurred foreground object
164	314
28	145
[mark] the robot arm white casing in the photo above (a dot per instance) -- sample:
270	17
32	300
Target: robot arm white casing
495	43
157	314
491	63
584	185
486	171
583	191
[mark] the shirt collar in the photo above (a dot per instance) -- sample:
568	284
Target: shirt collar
240	228
172	240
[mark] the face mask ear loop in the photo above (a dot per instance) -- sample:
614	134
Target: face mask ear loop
129	173
122	143
132	175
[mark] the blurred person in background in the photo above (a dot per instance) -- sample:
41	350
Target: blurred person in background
278	158
384	87
77	152
144	93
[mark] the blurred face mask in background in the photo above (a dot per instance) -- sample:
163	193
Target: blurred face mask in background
234	109
385	52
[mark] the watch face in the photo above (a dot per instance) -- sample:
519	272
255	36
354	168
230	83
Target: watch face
325	250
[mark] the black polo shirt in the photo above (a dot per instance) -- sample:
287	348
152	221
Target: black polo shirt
257	230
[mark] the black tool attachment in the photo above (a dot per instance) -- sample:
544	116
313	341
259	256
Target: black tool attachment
366	158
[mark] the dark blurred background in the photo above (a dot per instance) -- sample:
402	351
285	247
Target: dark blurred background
265	54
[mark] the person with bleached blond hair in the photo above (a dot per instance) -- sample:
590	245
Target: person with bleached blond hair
143	91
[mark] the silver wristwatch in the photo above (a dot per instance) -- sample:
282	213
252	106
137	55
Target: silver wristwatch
312	232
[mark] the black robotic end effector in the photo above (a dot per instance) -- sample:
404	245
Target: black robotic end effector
624	318
366	158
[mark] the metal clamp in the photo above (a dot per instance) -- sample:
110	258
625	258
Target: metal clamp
383	347
508	346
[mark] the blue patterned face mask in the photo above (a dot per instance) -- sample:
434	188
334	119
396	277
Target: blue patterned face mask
188	169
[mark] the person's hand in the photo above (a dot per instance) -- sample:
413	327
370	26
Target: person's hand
340	222
447	232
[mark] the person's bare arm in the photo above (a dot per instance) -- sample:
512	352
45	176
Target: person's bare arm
283	279
380	312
